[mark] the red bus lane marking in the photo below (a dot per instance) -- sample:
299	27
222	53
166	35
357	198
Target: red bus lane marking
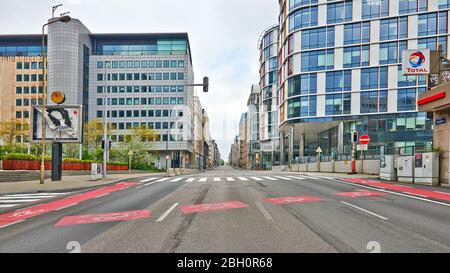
10	218
292	199
104	217
400	188
359	194
212	207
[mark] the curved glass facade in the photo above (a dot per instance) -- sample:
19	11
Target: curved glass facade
268	118
340	61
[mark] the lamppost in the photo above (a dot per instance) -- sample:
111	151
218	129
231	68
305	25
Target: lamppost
63	19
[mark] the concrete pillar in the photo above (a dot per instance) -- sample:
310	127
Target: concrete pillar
281	148
302	145
291	145
340	148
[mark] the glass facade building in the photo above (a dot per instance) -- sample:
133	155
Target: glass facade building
340	70
268	108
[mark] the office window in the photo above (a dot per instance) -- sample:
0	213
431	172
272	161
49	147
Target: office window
338	81
181	76
18	102
427	24
444	4
298	3
375	8
317	60
99	101
181	63
99	64
26	65
333	104
26	78
406	99
357	33
369	102
317	38
339	12
389	53
34	65
404	81
429	43
356	56
18	78
19	65
391	29
374	78
306	17
302	107
99	77
18	90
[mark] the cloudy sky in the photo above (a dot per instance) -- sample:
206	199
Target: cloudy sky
223	36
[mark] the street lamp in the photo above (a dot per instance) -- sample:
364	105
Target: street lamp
63	19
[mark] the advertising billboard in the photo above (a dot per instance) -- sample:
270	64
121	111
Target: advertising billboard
62	124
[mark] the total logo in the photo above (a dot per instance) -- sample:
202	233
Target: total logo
417	61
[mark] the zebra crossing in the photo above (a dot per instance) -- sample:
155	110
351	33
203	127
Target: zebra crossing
199	179
13	200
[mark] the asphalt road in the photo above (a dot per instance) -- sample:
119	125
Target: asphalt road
314	214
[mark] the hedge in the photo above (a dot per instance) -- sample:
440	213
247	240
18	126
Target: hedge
19	156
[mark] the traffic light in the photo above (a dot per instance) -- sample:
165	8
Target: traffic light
109	144
354	137
205	84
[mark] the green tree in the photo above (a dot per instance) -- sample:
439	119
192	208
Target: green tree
12	129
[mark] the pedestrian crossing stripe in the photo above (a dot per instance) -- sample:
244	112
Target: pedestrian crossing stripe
270	178
230	179
163	179
257	178
217	179
13	200
284	178
149	179
190	180
243	179
203	179
177	179
298	177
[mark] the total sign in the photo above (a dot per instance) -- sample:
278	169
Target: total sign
416	62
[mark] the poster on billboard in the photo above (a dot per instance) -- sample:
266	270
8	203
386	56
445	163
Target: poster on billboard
62	123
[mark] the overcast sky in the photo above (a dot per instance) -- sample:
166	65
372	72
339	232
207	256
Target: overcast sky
223	36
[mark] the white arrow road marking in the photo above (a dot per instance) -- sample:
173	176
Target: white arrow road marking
270	178
165	214
364	210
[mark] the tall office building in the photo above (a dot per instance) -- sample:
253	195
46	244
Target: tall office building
20	77
268	109
340	70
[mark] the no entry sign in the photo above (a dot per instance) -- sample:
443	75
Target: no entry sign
364	139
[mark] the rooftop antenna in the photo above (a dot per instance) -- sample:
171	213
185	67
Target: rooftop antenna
54	8
64	14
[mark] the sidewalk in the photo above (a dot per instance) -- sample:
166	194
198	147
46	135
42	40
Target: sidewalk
68	183
340	175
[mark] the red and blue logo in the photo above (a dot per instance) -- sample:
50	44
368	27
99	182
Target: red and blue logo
416	59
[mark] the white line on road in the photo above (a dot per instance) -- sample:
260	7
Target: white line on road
163	179
284	178
270	178
8	206
297	177
416	194
203	179
216	179
165	214
264	211
190	180
10	224
35	194
18	201
364	210
149	179
395	193
230	179
67	206
103	195
177	179
256	178
25	197
243	179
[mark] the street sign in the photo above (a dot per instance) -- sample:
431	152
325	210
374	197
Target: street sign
362	147
440	121
319	150
63	124
364	139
